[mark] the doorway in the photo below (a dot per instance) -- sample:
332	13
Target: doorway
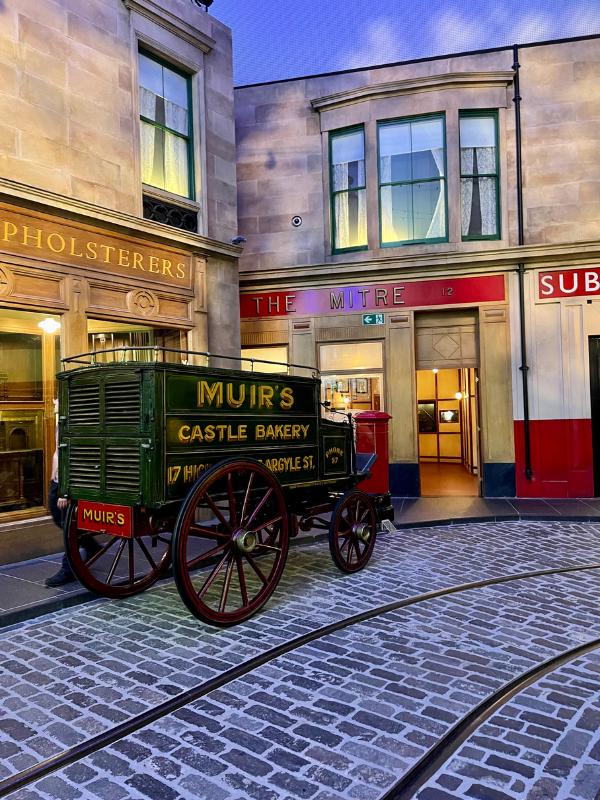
447	415
595	408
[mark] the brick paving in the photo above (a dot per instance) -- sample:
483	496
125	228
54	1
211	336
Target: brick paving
342	717
542	745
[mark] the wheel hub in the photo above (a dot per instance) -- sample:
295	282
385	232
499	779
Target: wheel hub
362	531
245	541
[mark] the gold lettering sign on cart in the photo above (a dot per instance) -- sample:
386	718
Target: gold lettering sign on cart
42	237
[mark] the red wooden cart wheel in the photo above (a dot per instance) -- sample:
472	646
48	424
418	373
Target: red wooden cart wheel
114	566
231	542
352	531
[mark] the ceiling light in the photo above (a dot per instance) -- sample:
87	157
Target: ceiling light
49	325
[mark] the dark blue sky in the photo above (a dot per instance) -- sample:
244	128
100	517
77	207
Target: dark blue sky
275	39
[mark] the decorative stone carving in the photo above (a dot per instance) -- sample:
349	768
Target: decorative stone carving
7	280
142	302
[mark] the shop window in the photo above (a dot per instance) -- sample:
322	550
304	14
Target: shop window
106	341
29	360
352	376
253	359
412	181
348	192
479	175
20	366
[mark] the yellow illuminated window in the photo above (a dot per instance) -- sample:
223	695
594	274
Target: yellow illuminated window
165	127
254	358
348	192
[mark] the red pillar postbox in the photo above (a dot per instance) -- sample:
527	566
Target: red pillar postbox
372	437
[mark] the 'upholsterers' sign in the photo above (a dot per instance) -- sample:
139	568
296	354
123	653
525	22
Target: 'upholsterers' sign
39	236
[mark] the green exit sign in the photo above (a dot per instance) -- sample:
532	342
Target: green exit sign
373	319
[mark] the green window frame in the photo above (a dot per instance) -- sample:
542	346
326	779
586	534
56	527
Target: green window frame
166	126
479	187
413	180
348	191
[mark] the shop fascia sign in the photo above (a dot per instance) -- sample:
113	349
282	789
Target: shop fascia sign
378	297
41	237
583	282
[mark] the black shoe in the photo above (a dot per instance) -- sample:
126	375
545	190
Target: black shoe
64	575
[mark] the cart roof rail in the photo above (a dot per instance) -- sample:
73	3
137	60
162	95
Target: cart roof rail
143	354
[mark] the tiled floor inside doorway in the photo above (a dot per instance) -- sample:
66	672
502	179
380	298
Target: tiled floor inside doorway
444	480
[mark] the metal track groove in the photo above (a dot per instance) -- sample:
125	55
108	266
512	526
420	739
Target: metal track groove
106	738
442	750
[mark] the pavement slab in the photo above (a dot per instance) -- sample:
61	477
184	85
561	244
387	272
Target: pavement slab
343	716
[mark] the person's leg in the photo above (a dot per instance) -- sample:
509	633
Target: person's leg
65	573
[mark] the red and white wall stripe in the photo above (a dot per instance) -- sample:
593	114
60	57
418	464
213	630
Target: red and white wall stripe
562	312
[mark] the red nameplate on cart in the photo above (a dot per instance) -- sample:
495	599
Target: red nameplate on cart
104	518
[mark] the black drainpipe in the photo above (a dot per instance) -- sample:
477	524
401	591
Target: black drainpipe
521	267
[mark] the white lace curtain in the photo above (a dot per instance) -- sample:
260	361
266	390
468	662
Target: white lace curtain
478	202
437	226
350	231
164	155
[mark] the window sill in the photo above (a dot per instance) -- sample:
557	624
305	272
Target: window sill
169	197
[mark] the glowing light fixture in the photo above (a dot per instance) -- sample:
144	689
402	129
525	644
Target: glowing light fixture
49	325
435	370
458	395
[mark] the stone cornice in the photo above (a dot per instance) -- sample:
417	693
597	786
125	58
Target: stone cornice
50	203
160	16
542	256
426	83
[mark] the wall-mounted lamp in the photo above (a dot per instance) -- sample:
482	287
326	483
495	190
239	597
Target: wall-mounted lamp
49	325
435	370
458	396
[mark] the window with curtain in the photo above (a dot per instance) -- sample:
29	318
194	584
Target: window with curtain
479	172
412	181
165	127
348	192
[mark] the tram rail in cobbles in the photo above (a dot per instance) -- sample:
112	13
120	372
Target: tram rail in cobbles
416	775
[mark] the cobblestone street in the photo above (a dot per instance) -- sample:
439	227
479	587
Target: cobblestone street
346	714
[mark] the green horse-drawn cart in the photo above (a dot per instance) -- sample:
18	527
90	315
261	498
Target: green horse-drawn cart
214	468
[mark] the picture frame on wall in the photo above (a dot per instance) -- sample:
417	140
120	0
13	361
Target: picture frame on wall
342	386
362	386
427	417
449	416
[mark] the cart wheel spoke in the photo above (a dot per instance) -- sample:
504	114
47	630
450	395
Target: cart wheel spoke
226	584
263	546
242	579
89	562
131	560
253	542
195	562
144	550
212	577
217	512
255	567
264	525
116	560
258	508
210	533
246	497
352	531
232	501
105	571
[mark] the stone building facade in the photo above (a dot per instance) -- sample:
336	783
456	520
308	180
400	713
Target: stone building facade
402	223
117	210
